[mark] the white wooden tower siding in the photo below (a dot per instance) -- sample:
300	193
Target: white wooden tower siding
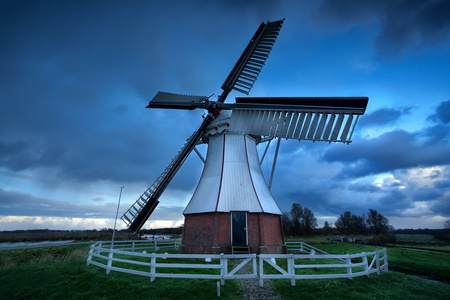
232	192
232	179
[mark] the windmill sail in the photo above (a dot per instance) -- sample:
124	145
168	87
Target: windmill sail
316	119
140	211
246	71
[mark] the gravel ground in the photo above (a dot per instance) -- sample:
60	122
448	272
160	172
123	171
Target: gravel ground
252	290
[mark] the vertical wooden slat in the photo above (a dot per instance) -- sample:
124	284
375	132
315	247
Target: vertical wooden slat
313	126
337	127
286	125
299	126
346	128
326	135
323	120
306	125
292	126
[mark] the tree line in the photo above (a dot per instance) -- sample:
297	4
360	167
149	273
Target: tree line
301	221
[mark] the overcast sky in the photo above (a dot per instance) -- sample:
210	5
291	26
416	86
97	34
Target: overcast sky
75	78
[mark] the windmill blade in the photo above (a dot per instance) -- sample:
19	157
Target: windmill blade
316	119
246	71
140	211
356	105
177	101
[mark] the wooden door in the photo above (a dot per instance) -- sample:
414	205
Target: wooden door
239	228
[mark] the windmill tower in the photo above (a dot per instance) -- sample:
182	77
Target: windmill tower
232	207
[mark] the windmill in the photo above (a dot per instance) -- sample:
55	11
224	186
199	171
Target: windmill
232	208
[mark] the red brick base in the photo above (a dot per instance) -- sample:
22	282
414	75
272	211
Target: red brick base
211	233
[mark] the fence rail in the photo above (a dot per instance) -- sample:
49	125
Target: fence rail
351	268
132	257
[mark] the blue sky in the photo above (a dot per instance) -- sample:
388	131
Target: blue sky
76	77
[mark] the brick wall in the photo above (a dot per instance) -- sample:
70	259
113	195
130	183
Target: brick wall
211	233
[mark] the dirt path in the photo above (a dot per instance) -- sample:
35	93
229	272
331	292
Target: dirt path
252	290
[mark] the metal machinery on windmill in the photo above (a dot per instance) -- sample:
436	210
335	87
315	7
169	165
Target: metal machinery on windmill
232	208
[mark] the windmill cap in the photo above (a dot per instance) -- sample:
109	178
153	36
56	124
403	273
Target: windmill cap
220	124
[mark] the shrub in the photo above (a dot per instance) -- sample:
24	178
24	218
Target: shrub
382	240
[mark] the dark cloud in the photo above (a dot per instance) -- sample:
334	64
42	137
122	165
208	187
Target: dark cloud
393	200
441	207
394	150
442	113
384	116
427	194
405	25
76	81
314	200
23	204
443	184
365	187
391	151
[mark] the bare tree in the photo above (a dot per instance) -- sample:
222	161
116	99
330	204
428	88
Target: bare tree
377	223
296	218
447	224
286	223
349	223
299	220
309	222
343	223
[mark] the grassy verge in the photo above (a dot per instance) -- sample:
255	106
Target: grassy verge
38	236
386	286
430	264
61	273
50	273
440	248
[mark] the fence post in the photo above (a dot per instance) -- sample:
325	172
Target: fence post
110	257
132	245
223	270
91	251
364	259
348	261
156	245
385	258
255	267
291	268
261	272
377	257
153	267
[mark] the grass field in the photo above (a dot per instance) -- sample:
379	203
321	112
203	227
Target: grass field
429	264
39	236
61	273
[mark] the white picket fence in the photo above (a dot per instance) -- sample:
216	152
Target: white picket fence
132	257
301	247
358	267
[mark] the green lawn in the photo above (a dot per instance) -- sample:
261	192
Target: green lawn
430	264
61	273
387	286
